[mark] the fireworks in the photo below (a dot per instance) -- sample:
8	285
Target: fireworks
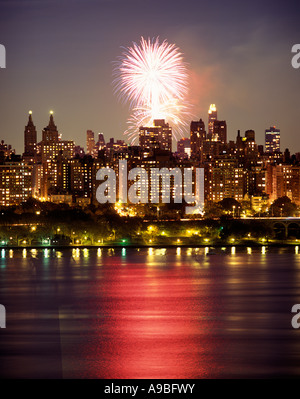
153	78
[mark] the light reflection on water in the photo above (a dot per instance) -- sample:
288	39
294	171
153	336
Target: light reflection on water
222	313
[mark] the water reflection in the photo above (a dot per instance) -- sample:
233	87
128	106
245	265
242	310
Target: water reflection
75	253
150	252
33	252
85	253
211	317
151	326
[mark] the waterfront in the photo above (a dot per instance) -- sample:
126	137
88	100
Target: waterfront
150	312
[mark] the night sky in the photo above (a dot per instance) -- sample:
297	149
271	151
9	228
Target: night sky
60	55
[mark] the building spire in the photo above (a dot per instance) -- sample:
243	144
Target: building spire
52	125
30	121
50	132
30	136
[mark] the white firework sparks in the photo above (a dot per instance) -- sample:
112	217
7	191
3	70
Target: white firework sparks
153	78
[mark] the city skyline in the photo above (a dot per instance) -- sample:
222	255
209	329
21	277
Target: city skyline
238	57
83	141
57	170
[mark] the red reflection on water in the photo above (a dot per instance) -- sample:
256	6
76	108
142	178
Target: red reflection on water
148	321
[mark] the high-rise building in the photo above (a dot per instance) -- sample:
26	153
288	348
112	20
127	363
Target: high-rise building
155	137
212	116
52	148
50	133
82	181
224	180
99	146
51	144
90	142
30	137
101	142
198	136
219	131
272	140
283	180
15	183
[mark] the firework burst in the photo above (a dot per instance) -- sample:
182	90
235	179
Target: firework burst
153	78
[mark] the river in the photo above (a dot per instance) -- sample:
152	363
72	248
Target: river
181	313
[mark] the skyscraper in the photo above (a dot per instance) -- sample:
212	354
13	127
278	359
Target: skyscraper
272	140
220	131
101	142
52	149
52	146
90	142
212	116
50	133
30	137
198	136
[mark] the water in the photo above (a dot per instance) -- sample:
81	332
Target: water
150	313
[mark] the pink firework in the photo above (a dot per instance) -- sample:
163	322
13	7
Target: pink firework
153	78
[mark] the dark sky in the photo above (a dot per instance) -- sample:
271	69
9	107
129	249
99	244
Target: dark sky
60	54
